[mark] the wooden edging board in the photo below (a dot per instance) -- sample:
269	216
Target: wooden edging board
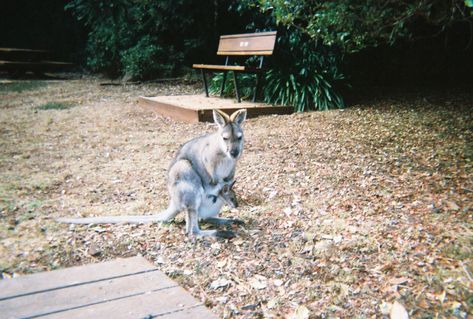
198	108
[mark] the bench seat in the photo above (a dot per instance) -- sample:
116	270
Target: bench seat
238	68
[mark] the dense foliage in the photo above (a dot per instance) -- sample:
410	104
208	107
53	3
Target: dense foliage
353	25
146	38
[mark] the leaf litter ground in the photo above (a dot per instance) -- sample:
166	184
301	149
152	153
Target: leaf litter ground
352	213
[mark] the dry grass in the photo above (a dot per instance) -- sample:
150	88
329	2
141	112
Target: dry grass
345	211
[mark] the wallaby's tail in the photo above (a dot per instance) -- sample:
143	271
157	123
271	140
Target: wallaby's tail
163	216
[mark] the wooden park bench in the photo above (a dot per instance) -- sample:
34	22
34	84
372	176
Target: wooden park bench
18	61
259	44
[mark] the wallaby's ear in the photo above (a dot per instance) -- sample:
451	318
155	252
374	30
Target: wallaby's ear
220	118
238	117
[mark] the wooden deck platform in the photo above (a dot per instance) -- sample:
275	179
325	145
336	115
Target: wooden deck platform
198	108
122	288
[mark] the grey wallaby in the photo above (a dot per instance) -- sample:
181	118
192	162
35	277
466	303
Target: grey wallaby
200	180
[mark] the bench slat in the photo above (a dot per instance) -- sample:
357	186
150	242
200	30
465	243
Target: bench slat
247	44
16	50
39	63
255	34
242	53
240	68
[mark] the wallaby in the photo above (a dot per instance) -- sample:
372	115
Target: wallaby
201	170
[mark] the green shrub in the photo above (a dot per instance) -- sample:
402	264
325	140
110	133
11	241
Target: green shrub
304	75
148	38
147	59
102	51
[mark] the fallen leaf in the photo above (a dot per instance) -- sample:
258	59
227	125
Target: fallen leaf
452	205
220	283
398	281
258	282
272	303
301	313
398	311
278	282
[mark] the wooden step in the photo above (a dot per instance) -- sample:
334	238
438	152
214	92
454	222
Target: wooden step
122	288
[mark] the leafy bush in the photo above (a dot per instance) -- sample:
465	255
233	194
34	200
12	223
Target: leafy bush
106	22
149	38
140	61
102	51
304	75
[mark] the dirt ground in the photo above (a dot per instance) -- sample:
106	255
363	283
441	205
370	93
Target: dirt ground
346	212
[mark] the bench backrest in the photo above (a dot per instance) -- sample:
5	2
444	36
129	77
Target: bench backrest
260	43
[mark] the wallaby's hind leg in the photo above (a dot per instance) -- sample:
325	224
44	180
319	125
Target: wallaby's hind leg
193	230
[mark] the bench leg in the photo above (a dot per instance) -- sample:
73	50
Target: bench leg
223	83
257	87
237	91
205	82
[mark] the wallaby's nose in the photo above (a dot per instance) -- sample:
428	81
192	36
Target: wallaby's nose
234	153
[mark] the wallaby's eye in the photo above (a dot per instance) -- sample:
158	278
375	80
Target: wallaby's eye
239	138
225	138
